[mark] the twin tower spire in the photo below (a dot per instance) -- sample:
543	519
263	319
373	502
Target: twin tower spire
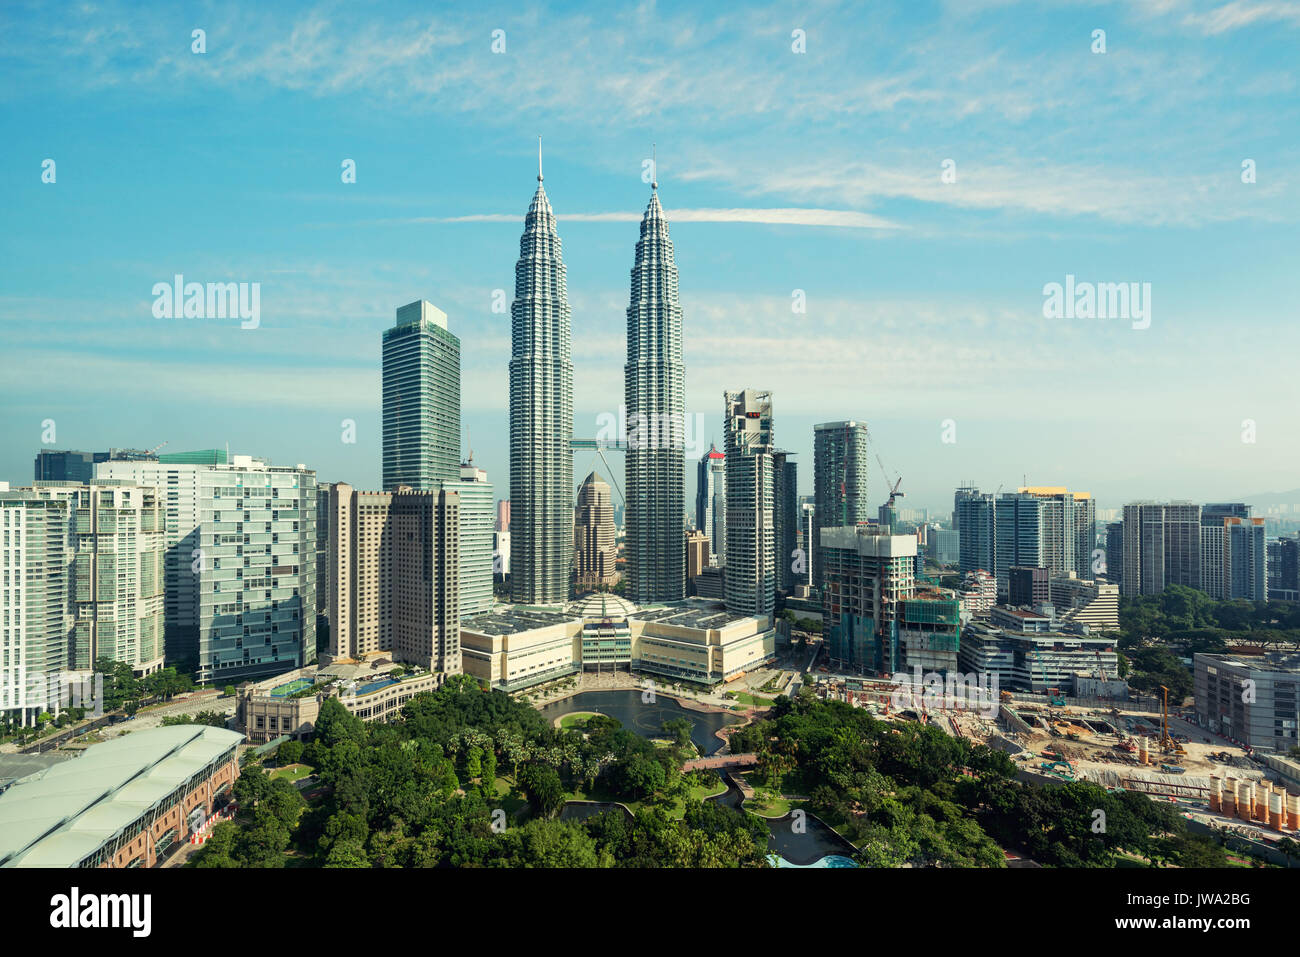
541	414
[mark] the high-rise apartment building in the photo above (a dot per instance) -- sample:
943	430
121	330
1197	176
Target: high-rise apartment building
35	575
785	519
241	563
503	515
395	560
869	572
1233	552
751	543
421	399
654	391
117	540
1162	546
541	414
839	480
1282	556
595	551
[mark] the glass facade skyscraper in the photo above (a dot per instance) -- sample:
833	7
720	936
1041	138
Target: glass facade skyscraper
839	480
421	399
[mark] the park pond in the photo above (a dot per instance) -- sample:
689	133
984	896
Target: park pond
646	718
813	844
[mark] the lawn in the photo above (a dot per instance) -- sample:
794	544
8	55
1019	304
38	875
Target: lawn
753	700
512	802
292	772
577	720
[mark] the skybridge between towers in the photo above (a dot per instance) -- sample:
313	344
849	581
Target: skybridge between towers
599	446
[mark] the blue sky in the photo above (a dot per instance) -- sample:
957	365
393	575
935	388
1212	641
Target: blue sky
818	171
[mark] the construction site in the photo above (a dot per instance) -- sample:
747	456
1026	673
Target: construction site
1157	752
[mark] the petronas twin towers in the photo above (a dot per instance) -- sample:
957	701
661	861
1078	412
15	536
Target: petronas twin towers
541	416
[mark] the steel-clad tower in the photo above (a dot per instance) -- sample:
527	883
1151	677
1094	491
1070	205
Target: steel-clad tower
541	414
654	390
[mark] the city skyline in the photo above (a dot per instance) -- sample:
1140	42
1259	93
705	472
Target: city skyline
923	299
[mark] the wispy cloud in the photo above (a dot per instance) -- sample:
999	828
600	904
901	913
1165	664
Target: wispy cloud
838	218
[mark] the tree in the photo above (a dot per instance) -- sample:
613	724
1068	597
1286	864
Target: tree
541	783
335	724
290	752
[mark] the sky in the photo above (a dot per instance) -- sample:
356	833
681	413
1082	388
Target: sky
914	173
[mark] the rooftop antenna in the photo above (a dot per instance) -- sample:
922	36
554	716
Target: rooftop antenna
654	165
539	157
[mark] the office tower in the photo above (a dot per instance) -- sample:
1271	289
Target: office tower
868	573
944	546
395	560
595	552
785	518
476	539
541	414
503	515
35	569
1162	546
1115	552
654	388
65	466
697	555
839	479
1028	585
974	518
1018	535
117	538
241	576
706	474
421	399
717	531
751	545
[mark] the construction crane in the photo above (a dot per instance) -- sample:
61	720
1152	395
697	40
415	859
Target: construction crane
155	448
893	492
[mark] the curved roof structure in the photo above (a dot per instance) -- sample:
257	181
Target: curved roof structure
60	816
602	604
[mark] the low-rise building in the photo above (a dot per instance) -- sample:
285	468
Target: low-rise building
516	647
1250	699
289	704
1032	659
122	803
1094	604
